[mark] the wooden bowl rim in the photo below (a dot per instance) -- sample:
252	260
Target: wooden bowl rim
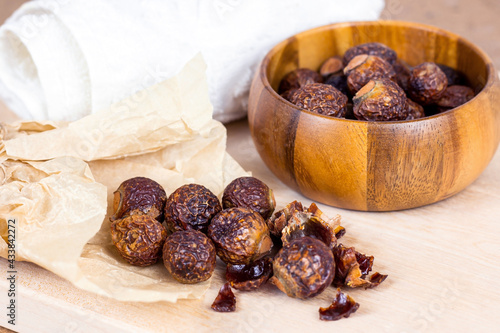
492	75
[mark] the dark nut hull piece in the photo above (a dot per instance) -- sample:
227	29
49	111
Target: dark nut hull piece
299	78
191	206
189	256
240	235
139	196
251	276
303	268
381	100
427	83
322	99
225	300
455	96
363	68
249	192
139	239
376	49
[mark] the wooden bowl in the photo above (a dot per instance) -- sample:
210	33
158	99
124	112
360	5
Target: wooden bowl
376	166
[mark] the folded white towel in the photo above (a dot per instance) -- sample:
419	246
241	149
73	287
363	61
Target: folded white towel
62	59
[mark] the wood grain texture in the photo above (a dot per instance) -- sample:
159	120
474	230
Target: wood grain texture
376	166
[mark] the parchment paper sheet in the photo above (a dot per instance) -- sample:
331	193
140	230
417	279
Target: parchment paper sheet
57	181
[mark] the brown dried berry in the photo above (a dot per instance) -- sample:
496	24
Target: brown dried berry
339	81
453	76
342	307
303	268
250	276
240	235
403	73
189	256
427	83
299	78
455	96
249	192
376	49
138	238
381	100
363	68
225	300
415	110
331	66
191	206
288	94
139	196
321	98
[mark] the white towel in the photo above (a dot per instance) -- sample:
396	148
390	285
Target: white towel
64	59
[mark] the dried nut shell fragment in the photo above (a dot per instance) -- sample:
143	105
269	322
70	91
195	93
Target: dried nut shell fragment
139	196
381	100
251	276
427	83
189	256
225	300
455	96
415	110
363	68
376	49
331	65
191	206
322	99
299	78
249	192
139	239
240	235
342	307
303	268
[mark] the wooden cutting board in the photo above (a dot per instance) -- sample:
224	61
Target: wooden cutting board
443	263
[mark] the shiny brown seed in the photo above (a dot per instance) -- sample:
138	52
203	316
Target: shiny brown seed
331	66
139	239
342	307
455	96
427	83
322	99
139	196
191	206
250	276
240	235
189	256
415	110
299	78
381	100
376	49
249	192
363	68
225	300
303	268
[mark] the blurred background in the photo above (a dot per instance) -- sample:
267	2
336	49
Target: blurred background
478	20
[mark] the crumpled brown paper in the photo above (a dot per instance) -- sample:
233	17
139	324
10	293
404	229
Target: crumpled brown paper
57	181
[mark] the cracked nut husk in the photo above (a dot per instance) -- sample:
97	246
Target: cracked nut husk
189	256
250	276
455	96
191	206
139	239
303	268
363	68
322	99
139	196
299	78
377	49
249	192
381	100
240	235
427	83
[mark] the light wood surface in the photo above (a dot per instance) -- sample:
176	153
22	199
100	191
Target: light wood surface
376	166
443	262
